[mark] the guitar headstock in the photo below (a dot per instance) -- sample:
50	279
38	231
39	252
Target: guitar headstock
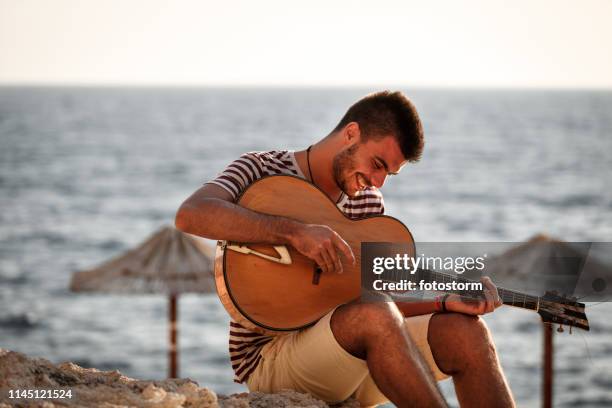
554	308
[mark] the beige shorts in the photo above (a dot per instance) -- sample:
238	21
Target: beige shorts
312	361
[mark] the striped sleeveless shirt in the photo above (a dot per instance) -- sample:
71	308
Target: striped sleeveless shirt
244	345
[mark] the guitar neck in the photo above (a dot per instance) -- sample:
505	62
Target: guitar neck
508	297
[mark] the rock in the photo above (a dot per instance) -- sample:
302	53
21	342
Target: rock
90	387
284	398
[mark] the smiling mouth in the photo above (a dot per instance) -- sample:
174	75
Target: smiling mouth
361	182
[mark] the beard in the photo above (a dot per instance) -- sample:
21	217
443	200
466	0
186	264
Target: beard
344	164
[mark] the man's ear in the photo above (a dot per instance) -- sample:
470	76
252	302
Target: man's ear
352	133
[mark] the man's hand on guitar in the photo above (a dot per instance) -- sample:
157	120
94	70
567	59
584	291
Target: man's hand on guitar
322	244
462	304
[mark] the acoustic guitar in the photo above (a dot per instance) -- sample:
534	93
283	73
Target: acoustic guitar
274	289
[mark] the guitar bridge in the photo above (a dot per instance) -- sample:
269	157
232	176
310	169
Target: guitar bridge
316	275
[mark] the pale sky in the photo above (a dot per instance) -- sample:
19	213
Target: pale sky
434	43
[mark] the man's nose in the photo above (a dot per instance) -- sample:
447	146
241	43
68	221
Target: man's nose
378	178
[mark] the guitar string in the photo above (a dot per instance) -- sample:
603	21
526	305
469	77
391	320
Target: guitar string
506	295
517	299
525	301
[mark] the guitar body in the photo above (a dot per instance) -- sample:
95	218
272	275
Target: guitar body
272	297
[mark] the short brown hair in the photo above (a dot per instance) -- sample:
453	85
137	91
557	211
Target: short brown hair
383	113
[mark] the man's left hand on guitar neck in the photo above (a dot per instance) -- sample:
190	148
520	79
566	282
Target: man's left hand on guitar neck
461	304
457	303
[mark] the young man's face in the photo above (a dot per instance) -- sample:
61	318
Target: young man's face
364	164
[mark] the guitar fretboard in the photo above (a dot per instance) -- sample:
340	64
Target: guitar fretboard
508	297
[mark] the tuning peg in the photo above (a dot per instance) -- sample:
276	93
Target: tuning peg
560	329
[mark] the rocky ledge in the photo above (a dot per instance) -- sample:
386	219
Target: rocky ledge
110	389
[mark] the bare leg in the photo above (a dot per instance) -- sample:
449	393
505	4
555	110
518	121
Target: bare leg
375	332
462	347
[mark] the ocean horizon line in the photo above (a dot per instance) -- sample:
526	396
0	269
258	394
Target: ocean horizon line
301	87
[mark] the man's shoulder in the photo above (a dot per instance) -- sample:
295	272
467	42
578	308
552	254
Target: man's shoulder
252	166
271	162
268	155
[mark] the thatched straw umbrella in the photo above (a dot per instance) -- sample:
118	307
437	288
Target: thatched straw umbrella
169	262
543	263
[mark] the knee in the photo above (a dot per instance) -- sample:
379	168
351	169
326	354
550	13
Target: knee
366	320
379	316
466	333
460	342
471	326
357	327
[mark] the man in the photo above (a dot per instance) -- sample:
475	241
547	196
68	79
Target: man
377	351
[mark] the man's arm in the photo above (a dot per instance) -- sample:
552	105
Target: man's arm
457	303
211	213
